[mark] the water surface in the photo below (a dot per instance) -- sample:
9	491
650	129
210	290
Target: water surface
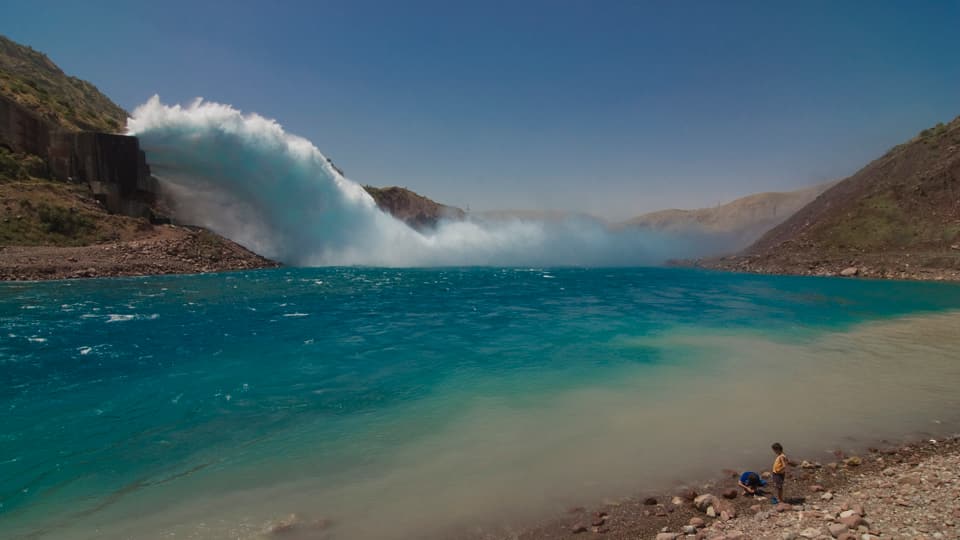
405	403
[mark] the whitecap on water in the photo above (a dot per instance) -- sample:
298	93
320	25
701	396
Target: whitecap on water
113	317
295	314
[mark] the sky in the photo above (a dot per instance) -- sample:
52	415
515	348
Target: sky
607	107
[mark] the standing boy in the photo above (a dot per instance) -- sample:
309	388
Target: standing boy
779	470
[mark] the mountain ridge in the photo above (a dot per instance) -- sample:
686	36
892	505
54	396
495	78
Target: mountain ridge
897	217
32	80
741	221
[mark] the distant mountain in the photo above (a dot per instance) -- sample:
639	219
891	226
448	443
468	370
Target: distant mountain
532	215
897	217
739	222
416	210
32	80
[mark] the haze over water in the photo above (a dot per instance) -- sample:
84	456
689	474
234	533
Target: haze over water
403	403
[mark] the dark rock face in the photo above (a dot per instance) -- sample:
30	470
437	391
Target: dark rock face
414	209
112	165
21	130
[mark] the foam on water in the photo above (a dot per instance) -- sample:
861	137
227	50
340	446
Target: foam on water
246	178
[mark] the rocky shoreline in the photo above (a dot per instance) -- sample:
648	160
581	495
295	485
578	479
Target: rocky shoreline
166	249
909	491
901	266
898	491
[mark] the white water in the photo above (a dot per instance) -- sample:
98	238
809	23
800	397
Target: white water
244	177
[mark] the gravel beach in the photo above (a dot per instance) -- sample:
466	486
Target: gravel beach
909	491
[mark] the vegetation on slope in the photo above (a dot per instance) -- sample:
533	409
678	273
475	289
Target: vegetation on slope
909	199
898	217
34	81
40	212
34	209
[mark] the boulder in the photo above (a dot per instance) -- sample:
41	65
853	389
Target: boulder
711	512
816	488
698	522
811	532
726	507
729	493
702	502
853	461
852	522
826	496
667	536
650	501
676	501
837	529
578	528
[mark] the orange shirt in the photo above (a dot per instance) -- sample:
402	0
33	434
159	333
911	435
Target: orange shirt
780	464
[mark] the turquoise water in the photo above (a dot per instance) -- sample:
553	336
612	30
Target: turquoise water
205	406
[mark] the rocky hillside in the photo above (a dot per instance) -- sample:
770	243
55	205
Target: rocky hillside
416	210
742	221
897	217
76	198
34	81
57	127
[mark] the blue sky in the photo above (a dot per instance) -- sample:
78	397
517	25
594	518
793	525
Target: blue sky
614	108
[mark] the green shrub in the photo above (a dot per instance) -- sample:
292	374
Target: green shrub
15	166
64	221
